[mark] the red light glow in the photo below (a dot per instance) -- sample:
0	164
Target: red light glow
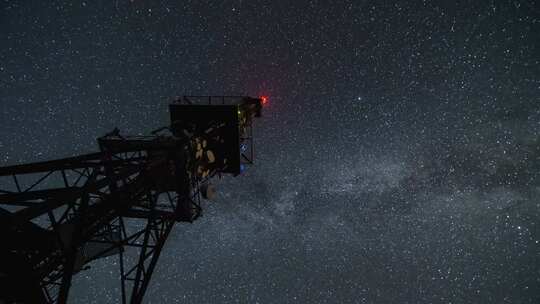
264	100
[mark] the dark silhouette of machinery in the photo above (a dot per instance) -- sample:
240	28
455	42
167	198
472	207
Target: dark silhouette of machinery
57	216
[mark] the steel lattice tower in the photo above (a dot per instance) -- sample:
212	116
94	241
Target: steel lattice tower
57	216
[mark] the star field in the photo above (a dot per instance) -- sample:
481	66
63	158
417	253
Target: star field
397	161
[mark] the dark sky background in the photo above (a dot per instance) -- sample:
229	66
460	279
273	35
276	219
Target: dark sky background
398	159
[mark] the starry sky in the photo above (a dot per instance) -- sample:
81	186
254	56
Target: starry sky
397	161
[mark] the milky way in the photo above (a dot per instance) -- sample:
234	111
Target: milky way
397	160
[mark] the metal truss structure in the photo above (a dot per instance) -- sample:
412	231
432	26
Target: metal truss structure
58	216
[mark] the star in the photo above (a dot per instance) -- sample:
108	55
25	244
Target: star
336	207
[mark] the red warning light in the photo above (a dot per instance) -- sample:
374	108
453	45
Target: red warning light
264	100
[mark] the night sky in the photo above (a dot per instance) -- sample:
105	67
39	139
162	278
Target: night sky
398	159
